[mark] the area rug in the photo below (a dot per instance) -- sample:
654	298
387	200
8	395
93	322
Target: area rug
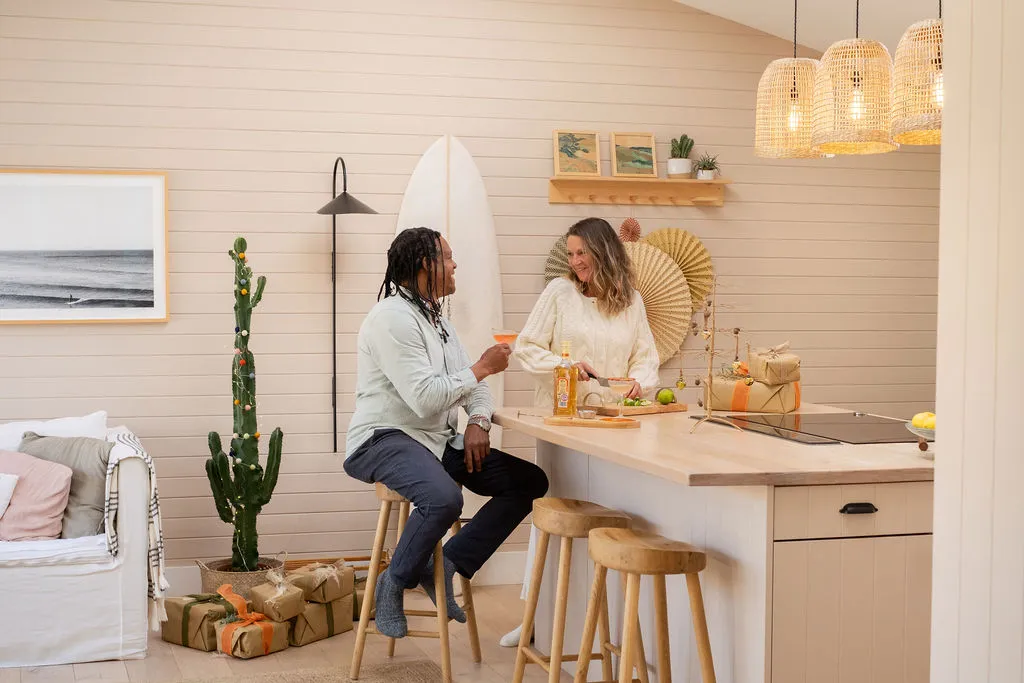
399	672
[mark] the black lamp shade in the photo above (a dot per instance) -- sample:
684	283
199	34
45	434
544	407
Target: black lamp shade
344	203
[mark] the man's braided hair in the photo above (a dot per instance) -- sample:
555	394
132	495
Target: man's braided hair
411	250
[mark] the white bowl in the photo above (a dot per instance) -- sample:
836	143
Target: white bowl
927	434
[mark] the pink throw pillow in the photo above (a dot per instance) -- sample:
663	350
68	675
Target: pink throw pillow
37	507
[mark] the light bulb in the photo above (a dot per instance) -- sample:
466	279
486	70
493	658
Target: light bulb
794	117
938	89
857	104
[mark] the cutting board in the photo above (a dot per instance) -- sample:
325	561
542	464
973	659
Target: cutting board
597	422
653	409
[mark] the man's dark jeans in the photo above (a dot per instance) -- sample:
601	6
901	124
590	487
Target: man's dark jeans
406	466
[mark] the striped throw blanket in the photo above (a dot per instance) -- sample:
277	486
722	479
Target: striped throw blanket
127	445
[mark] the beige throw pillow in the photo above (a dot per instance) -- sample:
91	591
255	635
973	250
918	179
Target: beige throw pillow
87	458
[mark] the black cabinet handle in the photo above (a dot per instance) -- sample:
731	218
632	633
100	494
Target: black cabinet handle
858	509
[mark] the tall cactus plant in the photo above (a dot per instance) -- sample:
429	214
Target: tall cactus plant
240	485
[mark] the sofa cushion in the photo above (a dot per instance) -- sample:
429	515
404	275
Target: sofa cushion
37	506
7	484
94	425
87	458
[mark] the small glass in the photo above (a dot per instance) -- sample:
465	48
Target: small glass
621	386
502	336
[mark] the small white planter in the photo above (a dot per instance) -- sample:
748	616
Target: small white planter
705	175
680	168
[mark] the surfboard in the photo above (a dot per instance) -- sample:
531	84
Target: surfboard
446	193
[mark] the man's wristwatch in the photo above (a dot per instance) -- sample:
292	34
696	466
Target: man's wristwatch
481	422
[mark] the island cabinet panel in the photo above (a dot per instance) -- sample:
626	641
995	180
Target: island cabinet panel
851	610
849	510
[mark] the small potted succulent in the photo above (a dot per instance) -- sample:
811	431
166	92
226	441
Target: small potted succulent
680	165
707	166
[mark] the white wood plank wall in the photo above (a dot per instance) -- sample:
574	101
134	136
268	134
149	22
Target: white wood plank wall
247	102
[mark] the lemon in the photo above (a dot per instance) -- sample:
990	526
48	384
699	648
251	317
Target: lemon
924	420
666	396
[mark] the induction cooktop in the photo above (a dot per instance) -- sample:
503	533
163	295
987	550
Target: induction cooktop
825	428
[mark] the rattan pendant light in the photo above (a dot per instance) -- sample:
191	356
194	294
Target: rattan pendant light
785	106
853	98
918	88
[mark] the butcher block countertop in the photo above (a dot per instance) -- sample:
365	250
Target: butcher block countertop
717	455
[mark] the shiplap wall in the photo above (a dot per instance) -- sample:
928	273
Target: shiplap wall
247	102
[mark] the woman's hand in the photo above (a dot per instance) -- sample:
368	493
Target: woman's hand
636	391
584	371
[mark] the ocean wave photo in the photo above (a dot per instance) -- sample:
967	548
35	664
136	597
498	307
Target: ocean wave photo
76	279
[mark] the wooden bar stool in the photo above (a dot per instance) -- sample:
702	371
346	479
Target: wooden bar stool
567	519
388	498
634	553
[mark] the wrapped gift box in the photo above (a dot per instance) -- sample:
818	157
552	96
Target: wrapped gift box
323	582
280	600
357	595
774	365
322	620
191	620
744	395
250	634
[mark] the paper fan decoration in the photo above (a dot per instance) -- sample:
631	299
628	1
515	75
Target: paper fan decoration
557	264
692	257
629	231
666	296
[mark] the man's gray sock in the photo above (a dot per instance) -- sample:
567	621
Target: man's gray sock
427	584
390	599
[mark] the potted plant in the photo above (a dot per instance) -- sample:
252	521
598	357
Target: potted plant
680	165
707	165
240	485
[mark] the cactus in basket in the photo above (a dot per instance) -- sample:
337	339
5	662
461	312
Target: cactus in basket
240	485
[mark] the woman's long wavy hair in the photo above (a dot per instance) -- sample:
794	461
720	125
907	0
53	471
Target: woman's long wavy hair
613	278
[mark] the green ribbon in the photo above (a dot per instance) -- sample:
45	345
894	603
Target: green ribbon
199	599
330	620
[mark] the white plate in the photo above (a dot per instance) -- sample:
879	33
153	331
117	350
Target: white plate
928	434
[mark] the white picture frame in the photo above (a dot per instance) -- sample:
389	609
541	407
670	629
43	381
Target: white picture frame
83	246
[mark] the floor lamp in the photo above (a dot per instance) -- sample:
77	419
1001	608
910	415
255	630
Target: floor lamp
340	204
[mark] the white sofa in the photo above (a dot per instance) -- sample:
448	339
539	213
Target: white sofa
67	600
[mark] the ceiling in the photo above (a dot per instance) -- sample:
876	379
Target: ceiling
822	22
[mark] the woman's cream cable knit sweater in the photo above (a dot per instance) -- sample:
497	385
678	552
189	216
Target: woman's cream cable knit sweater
617	346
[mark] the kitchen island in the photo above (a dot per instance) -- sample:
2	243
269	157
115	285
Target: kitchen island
819	556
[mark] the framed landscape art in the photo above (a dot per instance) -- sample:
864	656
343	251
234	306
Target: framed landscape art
633	155
83	246
577	153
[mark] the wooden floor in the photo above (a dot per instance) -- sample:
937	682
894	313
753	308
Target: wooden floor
499	609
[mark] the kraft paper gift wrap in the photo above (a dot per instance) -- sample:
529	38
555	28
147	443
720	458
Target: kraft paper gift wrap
277	598
323	582
742	395
251	634
322	620
774	365
358	593
191	620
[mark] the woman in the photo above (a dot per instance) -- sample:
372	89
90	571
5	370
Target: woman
597	309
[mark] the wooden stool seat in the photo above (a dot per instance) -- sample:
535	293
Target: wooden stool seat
569	518
384	493
388	498
635	552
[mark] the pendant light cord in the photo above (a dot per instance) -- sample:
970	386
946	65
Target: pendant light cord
794	24
857	34
940	9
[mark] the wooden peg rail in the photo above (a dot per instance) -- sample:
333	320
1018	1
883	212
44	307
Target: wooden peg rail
644	192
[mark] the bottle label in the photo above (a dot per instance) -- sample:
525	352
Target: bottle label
562	391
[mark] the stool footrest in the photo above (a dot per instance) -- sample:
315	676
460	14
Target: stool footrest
420	613
409	634
545	662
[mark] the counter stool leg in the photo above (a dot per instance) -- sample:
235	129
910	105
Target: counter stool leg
531	605
561	600
597	610
604	631
700	627
371	587
630	632
639	654
442	614
468	608
661	630
403	517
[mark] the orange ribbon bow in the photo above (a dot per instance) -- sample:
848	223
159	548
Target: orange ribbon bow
245	618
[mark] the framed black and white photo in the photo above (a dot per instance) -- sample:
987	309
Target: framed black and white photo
83	246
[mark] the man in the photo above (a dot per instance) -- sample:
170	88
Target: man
413	375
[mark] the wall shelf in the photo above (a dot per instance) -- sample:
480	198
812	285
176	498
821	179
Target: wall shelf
637	191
